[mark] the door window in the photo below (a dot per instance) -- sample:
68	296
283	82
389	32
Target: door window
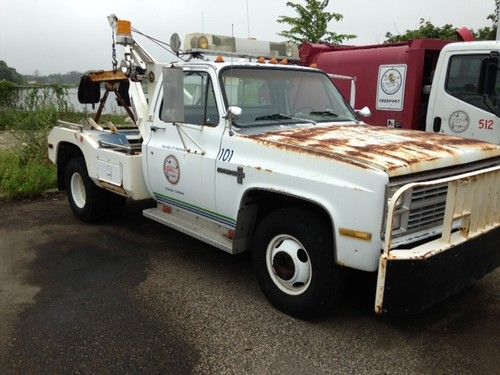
200	107
463	80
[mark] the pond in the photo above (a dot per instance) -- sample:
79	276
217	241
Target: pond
111	106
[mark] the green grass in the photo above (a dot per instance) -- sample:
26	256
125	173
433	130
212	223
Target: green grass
30	114
22	177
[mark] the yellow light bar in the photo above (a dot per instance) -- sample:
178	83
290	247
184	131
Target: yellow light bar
239	47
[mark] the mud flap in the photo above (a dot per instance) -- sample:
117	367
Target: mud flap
408	286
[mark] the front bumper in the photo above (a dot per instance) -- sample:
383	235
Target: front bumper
414	284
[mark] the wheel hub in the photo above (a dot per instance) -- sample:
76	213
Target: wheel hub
78	190
288	264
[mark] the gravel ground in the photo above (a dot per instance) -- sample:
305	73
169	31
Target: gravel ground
130	296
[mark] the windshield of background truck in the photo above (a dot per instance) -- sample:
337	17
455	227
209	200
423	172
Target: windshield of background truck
283	96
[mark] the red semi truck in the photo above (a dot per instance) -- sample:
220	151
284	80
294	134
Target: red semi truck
421	84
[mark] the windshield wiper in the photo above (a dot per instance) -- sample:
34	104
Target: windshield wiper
323	113
282	116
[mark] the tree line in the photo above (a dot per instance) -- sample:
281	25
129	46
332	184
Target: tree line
10	74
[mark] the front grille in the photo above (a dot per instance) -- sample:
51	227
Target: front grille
426	209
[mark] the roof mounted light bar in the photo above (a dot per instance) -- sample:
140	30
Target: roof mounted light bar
211	44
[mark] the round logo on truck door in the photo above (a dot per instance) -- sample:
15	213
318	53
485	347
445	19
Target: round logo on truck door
459	121
171	169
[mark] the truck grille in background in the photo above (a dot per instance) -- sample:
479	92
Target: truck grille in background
426	208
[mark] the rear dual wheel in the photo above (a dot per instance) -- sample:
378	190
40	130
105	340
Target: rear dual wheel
294	263
88	201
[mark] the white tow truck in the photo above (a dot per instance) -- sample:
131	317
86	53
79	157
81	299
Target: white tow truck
268	157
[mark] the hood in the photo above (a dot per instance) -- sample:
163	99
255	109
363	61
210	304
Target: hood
394	151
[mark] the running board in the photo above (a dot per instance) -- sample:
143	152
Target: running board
199	228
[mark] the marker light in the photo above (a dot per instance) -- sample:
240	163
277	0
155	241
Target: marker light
273	61
219	59
124	28
284	62
124	32
261	60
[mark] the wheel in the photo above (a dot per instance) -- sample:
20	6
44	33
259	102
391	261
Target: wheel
89	202
294	263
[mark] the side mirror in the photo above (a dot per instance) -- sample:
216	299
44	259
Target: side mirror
488	76
173	95
363	112
233	113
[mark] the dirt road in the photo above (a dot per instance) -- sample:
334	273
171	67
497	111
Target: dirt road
131	296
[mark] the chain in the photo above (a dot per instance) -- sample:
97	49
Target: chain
113	52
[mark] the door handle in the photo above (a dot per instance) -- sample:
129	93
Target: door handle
436	126
155	128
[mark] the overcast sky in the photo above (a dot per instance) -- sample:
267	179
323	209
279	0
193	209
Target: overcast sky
57	36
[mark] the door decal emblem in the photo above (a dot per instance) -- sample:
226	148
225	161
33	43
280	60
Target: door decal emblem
171	169
239	174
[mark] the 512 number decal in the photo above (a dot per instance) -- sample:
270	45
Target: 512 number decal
486	124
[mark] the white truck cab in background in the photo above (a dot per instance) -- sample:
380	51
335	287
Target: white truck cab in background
465	93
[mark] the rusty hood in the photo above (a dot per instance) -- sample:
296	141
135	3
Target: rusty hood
395	151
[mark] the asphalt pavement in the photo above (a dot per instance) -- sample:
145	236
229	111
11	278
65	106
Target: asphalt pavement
131	296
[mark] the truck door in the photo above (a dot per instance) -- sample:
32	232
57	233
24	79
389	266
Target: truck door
455	106
181	157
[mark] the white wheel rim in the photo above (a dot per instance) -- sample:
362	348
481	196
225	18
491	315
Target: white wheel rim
78	190
288	264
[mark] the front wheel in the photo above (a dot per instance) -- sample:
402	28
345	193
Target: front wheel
294	263
88	201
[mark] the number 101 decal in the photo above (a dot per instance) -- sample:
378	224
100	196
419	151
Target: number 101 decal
225	154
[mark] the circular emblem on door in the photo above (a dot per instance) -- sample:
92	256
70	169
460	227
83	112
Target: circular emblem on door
458	121
171	169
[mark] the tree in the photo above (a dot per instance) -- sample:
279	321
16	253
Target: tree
312	23
9	74
490	32
427	30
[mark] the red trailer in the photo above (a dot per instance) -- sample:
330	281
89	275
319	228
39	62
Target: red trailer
393	80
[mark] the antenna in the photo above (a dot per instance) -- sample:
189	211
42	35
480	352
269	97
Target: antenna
202	23
248	21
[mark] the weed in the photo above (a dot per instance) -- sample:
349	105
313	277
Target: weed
30	113
22	177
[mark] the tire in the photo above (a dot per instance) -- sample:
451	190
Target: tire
293	257
88	201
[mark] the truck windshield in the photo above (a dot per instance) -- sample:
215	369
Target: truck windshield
269	96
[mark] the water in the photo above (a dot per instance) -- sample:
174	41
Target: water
111	106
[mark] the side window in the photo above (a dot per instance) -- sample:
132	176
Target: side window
200	107
463	79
